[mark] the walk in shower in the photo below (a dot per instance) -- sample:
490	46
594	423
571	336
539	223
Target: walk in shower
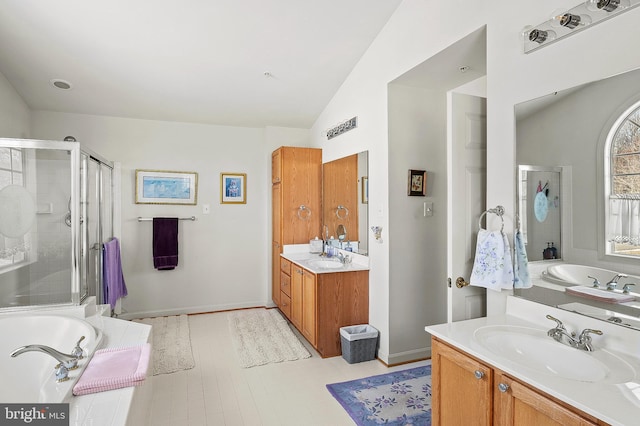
56	210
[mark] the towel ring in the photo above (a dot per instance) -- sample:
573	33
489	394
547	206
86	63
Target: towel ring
301	212
498	211
341	207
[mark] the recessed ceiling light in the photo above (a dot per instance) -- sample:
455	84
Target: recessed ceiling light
60	84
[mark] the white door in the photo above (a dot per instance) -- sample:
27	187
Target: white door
467	151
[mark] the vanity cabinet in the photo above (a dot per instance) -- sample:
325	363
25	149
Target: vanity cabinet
490	396
322	303
296	177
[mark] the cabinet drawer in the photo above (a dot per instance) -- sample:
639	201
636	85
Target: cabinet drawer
285	283
285	305
285	266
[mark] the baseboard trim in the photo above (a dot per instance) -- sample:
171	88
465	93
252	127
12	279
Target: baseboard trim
193	310
408	356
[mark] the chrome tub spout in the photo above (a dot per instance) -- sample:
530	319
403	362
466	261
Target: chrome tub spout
70	362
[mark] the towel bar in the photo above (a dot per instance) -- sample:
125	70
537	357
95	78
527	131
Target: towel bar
149	219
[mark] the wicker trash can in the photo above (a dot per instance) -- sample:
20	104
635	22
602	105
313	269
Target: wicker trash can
359	343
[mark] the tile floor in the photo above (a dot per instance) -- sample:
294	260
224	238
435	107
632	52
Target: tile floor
219	392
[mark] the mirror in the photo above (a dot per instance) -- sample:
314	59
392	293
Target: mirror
345	202
539	211
566	130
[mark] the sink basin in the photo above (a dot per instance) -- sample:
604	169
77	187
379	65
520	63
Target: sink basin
531	349
326	264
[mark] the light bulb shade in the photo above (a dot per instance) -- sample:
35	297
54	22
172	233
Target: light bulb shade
569	20
540	36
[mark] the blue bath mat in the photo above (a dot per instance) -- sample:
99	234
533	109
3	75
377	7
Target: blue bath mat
399	398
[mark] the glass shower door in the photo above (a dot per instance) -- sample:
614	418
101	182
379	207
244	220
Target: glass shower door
96	223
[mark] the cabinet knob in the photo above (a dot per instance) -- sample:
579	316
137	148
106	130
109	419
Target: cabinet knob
503	387
479	374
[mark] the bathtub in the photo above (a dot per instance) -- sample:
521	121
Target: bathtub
29	377
570	274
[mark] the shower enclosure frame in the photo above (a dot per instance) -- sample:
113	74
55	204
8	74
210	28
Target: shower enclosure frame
92	263
80	263
74	163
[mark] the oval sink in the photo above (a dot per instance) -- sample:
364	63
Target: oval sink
326	264
532	349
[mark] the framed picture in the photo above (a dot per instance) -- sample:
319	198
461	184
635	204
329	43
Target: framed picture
417	182
365	189
166	187
233	188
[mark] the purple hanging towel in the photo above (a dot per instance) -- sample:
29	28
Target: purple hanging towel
165	243
114	285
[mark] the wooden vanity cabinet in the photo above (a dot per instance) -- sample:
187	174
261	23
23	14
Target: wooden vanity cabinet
468	391
296	177
322	303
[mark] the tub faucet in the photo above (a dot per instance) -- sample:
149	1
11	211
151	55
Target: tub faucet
613	283
65	362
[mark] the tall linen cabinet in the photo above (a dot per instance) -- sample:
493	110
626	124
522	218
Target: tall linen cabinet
296	187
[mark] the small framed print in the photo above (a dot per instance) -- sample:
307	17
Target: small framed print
233	188
166	187
417	183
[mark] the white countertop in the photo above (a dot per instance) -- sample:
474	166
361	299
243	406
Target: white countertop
300	255
617	404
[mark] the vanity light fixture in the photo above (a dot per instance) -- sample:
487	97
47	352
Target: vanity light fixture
345	126
565	23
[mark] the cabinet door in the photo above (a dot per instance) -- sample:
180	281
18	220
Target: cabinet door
461	388
296	296
517	404
309	307
302	183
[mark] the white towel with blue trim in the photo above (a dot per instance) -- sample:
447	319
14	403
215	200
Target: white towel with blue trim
492	267
521	277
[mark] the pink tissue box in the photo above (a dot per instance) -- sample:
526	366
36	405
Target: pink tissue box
114	368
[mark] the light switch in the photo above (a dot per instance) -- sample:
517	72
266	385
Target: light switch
428	208
206	209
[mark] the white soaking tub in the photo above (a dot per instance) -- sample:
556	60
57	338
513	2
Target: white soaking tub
29	377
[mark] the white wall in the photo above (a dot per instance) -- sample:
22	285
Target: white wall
417	31
14	112
223	256
417	127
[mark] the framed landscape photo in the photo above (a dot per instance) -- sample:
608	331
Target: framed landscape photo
417	183
233	188
166	187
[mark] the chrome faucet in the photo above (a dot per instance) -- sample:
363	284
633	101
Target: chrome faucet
66	362
344	259
613	283
560	334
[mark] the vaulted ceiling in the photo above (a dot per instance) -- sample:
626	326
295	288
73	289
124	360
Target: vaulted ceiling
246	63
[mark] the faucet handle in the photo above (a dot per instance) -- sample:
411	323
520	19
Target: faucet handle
626	289
596	283
558	322
78	352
